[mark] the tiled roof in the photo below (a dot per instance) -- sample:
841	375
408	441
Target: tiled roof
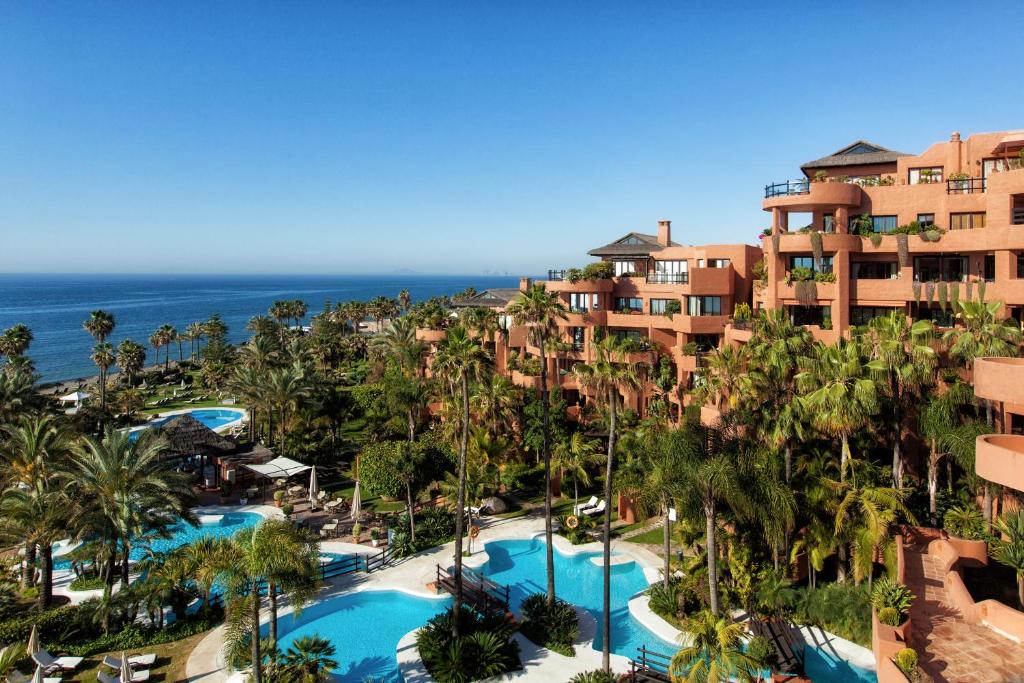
496	297
639	245
857	154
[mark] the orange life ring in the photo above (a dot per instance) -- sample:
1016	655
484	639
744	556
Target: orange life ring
572	521
474	531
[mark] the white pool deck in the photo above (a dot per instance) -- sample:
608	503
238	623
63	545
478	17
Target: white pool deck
412	575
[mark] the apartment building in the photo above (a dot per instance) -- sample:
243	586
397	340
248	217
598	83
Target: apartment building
835	254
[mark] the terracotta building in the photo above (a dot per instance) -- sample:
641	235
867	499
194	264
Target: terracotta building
834	256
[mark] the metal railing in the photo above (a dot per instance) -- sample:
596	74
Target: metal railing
965	186
556	275
668	278
650	666
479	592
787	189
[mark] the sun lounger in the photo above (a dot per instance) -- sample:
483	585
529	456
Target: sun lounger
592	503
134	661
591	512
137	677
51	663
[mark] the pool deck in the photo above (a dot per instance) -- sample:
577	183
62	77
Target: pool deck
415	574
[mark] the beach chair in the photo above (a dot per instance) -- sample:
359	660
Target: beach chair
51	663
137	677
592	503
134	661
596	510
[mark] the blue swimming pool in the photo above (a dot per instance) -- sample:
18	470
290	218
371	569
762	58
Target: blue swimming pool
365	628
213	418
183	533
522	566
821	666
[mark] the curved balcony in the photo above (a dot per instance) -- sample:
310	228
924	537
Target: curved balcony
999	379
999	458
430	336
798	195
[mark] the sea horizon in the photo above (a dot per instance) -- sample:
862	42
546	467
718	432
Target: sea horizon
54	305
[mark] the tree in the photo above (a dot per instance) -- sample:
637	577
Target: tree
540	312
459	359
100	324
131	358
715	652
903	362
1008	549
15	340
937	419
404	300
495	400
103	356
310	659
194	333
286	390
398	343
605	377
725	377
573	456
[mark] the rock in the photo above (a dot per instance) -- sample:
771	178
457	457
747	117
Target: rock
494	505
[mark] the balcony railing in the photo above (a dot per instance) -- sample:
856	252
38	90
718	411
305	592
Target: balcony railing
668	278
556	275
965	186
787	189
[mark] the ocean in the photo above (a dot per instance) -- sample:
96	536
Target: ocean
55	306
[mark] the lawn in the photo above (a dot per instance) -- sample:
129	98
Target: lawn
169	668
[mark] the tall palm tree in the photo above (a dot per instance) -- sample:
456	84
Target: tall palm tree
17	393
573	456
460	359
169	335
131	358
714	652
495	400
725	376
287	390
103	356
540	311
15	340
903	363
606	376
157	340
253	558
398	342
193	332
938	417
404	300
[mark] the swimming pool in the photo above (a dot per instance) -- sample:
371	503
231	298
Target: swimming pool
521	564
365	627
214	418
821	666
183	533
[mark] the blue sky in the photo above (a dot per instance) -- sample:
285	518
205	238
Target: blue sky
453	137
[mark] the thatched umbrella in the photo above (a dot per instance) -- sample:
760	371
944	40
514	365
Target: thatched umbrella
186	435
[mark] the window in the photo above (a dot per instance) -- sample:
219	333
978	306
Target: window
926	220
883	223
808	262
624	267
577	337
810	315
628	304
658	306
990	267
1020	265
944	268
580	303
704	305
631	240
939	317
632	335
862	315
966	221
828	223
705	342
718	263
669	273
921	176
873	270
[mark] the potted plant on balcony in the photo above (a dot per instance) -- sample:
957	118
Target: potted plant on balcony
959	182
906	661
357	531
965	530
820	176
375	537
278	498
891	601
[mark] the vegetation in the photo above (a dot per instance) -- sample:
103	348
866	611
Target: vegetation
556	627
479	647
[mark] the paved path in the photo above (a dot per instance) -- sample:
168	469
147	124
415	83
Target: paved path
951	649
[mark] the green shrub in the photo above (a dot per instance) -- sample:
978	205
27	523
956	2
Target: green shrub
137	636
889	593
484	649
763	653
86	583
906	660
595	676
842	609
599	270
574	275
890	616
964	521
556	628
52	624
434	526
378	466
741	312
690	349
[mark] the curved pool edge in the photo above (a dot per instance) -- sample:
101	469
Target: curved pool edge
640	609
410	665
835	646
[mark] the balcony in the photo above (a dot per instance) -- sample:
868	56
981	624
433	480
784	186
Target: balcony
787	188
999	379
556	275
1000	459
965	186
668	278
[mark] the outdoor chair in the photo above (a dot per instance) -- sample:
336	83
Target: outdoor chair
592	503
134	661
591	512
51	663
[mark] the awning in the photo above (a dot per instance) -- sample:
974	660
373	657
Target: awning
75	397
1008	142
278	468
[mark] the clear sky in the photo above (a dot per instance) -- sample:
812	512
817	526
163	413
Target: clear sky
453	137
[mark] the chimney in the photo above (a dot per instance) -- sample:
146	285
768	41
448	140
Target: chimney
664	233
955	136
525	283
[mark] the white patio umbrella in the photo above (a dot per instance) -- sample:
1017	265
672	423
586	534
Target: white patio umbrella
126	668
356	502
313	488
33	642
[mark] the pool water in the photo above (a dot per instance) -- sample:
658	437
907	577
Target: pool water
183	533
214	418
365	627
521	564
822	667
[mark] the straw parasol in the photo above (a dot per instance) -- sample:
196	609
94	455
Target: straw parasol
313	488
33	642
185	435
126	668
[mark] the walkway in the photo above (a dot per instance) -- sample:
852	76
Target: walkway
951	649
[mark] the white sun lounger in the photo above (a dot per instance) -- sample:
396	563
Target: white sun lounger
51	663
592	503
140	661
137	677
590	512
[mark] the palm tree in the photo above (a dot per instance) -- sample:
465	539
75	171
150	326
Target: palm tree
99	324
193	332
286	390
15	340
17	393
714	652
573	456
459	359
937	419
398	342
103	356
1008	549
606	377
903	362
817	543
540	312
169	335
404	300
310	659
274	547
725	377
157	340
131	358
495	400
838	394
